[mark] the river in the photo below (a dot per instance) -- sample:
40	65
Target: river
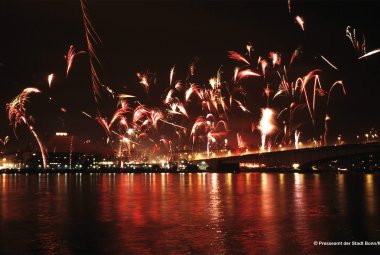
198	213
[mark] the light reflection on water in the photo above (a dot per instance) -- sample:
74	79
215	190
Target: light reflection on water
210	213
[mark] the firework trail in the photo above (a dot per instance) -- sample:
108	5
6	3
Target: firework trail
335	84
192	68
70	58
193	89
236	71
249	48
266	125
86	114
120	113
264	65
139	113
238	57
297	52
171	75
169	97
246	73
296	138
125	96
155	116
289	6
240	142
17	114
4	141
315	89
327	118
328	62
178	108
242	107
276	58
358	46
210	139
92	39
213	82
102	121
145	79
370	53
199	123
50	79
178	86
267	92
304	81
300	22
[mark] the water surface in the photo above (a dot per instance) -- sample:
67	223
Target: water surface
213	213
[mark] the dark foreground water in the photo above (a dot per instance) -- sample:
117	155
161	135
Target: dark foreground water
250	213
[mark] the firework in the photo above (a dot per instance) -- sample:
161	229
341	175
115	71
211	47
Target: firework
238	57
86	114
266	125
249	48
178	86
236	71
300	22
199	123
240	141
241	106
264	65
139	113
178	108
50	79
370	53
70	58
119	114
155	116
246	73
296	138
17	114
171	75
327	118
296	53
102	121
198	111
168	97
125	96
276	58
92	39
144	79
328	62
5	140
304	81
358	46
210	139
335	84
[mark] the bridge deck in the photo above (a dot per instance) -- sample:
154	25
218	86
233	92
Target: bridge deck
287	158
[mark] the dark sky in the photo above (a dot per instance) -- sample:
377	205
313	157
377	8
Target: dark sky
155	35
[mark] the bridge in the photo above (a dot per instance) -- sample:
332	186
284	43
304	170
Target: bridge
302	157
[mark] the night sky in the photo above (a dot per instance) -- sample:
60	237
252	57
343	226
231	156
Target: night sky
155	35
